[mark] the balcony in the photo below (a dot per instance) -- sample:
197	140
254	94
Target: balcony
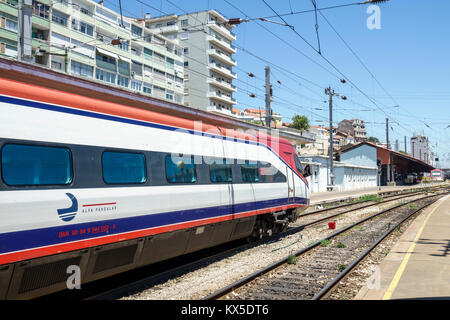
222	30
221	43
221	70
222	98
222	57
165	29
219	110
221	84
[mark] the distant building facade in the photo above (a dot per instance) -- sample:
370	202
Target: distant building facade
321	144
355	128
207	40
420	149
75	37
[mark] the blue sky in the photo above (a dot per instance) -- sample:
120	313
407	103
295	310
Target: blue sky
409	56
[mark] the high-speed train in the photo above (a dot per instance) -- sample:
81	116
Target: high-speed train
108	187
437	175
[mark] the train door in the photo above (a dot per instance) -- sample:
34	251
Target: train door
290	180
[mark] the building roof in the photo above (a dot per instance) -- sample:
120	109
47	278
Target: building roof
395	153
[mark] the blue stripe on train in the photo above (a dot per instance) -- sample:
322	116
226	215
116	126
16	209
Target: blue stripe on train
47	106
22	240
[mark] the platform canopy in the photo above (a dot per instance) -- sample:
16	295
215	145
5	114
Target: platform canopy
404	163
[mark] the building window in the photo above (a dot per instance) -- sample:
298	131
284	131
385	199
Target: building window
59	17
136	31
148	54
148	71
169	95
122	81
36	165
184	36
180	169
57	65
81	69
186	64
186	50
106	62
8	24
169	63
122	167
136	68
160	75
136	85
40	9
147	88
105	76
184	23
124	67
82	27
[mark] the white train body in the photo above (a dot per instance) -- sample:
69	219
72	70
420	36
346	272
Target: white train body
106	228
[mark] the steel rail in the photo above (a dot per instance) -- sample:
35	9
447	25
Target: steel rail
355	203
326	291
136	285
239	283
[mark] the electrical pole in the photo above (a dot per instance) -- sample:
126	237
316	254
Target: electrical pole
388	147
406	151
268	97
387	134
24	30
330	93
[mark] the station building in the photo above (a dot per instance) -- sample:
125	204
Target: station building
393	167
348	175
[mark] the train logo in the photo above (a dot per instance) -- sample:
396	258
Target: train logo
67	214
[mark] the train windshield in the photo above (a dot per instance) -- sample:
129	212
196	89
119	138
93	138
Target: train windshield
298	164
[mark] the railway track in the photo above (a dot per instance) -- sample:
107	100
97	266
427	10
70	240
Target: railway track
314	271
206	258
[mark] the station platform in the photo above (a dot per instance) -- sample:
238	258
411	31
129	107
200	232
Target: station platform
418	266
318	198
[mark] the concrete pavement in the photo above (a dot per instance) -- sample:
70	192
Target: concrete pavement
418	266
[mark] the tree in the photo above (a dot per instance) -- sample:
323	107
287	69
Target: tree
373	140
300	123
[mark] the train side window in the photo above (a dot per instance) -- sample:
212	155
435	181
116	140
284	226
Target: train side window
123	167
250	172
270	174
180	169
24	165
219	171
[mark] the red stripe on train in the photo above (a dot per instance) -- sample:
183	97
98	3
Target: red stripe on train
82	244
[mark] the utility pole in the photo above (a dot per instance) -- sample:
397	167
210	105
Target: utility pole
388	147
24	30
330	93
405	146
387	134
268	97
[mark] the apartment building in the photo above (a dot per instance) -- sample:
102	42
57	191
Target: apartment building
77	36
420	149
355	128
206	39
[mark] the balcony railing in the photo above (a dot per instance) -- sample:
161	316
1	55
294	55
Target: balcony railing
222	70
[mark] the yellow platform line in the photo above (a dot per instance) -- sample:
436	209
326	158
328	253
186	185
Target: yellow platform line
401	269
